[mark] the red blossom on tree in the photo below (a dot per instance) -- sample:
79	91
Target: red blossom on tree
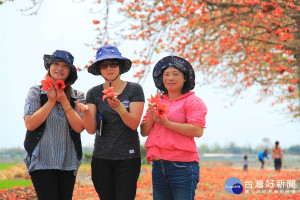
240	43
96	21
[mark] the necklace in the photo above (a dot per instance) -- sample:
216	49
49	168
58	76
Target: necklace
116	89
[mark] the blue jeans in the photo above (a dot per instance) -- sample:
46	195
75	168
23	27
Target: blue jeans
174	180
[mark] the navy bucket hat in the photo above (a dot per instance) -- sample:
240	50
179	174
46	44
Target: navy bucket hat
109	52
62	56
179	63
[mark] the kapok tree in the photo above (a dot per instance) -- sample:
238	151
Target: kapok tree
240	43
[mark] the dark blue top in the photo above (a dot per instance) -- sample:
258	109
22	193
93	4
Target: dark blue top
117	141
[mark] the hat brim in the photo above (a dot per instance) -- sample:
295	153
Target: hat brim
48	59
125	67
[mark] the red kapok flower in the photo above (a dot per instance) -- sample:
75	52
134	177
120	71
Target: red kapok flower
96	21
46	83
154	100
161	110
109	93
291	89
60	85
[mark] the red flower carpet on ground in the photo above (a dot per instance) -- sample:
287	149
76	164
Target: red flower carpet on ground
258	184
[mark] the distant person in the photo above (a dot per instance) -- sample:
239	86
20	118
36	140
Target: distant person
53	124
245	168
261	157
170	143
277	156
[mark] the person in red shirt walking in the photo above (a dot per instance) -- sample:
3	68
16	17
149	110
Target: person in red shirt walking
170	143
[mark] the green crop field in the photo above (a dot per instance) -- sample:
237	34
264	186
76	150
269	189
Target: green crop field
5	166
4	184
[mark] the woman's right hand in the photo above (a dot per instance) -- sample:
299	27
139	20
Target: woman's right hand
152	114
51	94
81	107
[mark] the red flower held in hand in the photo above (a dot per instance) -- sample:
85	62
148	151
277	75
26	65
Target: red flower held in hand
154	100
60	85
161	110
109	93
46	83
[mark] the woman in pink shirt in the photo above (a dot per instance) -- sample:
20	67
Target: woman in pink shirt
170	143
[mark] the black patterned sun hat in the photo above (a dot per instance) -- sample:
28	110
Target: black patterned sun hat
176	62
109	52
62	56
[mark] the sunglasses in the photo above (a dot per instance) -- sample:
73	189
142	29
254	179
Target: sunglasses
112	64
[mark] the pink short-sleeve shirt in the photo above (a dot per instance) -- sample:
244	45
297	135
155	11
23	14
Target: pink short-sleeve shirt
170	145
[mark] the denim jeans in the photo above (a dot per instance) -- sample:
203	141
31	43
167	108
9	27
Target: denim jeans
174	180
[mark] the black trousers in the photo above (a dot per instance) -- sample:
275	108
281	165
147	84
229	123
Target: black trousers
53	184
116	179
262	163
277	163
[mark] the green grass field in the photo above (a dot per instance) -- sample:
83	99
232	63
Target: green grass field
5	166
4	184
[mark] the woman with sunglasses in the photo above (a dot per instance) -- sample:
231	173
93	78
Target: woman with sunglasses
116	158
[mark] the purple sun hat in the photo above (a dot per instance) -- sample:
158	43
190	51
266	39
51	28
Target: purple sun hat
178	63
65	57
109	52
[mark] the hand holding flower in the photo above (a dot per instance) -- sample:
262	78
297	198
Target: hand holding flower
114	103
61	97
51	94
152	112
109	94
160	109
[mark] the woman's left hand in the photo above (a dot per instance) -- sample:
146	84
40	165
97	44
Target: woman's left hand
156	118
61	97
114	103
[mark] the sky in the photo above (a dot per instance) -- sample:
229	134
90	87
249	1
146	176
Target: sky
65	25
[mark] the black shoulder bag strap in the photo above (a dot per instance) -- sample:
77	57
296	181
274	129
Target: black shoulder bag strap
32	138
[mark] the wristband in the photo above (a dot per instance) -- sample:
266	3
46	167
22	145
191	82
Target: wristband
120	109
67	110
